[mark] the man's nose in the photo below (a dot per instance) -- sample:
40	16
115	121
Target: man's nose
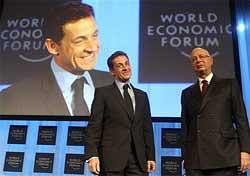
198	59
125	67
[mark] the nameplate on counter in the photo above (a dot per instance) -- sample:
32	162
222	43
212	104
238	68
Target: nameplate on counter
76	136
44	162
47	135
17	134
171	166
74	164
13	162
170	138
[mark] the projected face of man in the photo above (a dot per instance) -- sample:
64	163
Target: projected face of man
202	62
79	47
121	68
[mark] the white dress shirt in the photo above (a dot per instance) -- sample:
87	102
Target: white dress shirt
208	79
130	91
65	79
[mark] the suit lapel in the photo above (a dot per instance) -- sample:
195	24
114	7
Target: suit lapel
94	78
196	98
53	97
138	102
101	78
117	95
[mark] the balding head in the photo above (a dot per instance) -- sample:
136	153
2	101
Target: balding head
195	50
201	61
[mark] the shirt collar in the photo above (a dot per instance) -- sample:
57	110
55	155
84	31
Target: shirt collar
65	79
121	84
208	78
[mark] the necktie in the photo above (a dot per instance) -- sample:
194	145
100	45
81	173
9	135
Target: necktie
128	100
204	87
79	106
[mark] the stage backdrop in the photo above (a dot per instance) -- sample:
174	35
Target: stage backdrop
158	36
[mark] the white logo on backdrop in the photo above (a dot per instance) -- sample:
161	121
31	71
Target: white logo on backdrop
182	30
24	37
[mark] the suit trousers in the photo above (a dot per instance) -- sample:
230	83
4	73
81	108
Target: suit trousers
132	167
230	171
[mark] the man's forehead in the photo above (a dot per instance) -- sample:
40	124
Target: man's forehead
83	25
198	51
121	58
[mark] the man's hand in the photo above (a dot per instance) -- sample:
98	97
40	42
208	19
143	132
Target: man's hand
244	161
150	166
94	165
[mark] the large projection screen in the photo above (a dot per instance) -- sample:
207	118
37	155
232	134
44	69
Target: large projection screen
157	35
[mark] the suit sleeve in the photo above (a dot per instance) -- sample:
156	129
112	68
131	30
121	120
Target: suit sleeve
183	124
240	117
148	132
94	128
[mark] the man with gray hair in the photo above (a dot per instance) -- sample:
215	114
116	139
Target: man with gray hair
215	129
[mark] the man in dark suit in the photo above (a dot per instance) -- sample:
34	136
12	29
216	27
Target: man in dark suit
71	37
216	137
119	139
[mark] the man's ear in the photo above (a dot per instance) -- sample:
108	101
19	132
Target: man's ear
51	46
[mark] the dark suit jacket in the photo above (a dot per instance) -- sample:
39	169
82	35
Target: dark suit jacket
41	95
110	129
215	128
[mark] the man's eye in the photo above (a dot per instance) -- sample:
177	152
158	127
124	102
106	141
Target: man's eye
194	59
78	41
203	56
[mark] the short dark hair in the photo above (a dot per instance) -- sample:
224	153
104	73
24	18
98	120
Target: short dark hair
113	56
62	14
